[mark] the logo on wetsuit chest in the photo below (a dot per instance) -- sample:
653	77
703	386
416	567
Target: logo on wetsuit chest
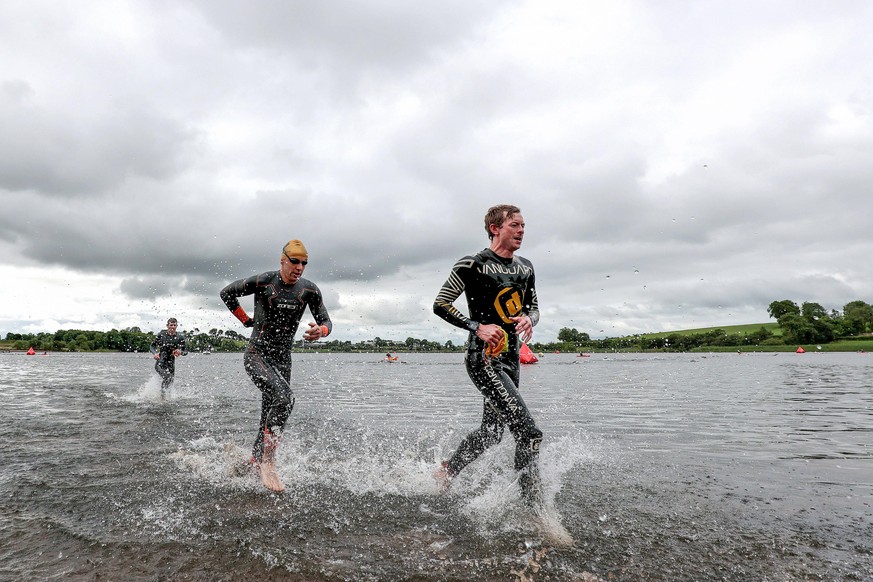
508	303
515	268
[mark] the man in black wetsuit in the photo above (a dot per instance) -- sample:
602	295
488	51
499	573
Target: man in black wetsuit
166	347
280	300
502	306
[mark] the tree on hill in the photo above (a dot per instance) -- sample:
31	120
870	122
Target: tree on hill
573	335
809	323
857	318
777	309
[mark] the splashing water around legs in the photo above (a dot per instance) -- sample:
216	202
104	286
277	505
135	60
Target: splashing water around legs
150	390
269	476
544	517
443	478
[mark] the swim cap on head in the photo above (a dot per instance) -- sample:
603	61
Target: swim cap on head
295	248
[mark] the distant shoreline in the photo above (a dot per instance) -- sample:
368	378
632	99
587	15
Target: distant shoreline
865	346
744	338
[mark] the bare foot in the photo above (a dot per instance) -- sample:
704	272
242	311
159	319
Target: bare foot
550	527
443	479
270	478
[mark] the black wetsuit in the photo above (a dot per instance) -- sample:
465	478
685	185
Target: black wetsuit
278	310
164	345
496	289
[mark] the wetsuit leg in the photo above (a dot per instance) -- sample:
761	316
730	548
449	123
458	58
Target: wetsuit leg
166	368
497	380
474	444
273	379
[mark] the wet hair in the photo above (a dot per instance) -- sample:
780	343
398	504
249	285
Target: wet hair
172	320
497	215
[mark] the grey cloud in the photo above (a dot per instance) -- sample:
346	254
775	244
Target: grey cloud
350	35
151	288
51	153
15	91
379	133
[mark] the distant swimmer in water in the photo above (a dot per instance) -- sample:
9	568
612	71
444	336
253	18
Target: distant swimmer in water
502	306
166	347
280	299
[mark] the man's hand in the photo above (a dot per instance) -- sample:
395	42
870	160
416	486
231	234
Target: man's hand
523	327
314	332
491	334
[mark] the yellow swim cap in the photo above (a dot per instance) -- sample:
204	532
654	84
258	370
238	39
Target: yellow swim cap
295	248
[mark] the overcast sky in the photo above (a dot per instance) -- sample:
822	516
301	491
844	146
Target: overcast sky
678	164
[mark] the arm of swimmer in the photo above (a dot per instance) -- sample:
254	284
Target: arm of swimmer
230	294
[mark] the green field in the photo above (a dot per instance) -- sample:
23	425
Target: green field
772	327
855	345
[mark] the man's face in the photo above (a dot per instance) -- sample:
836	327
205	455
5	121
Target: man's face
292	269
171	328
511	232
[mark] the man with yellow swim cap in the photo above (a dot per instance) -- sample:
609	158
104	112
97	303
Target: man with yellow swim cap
280	299
502	305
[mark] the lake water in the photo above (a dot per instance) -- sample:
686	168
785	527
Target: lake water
662	467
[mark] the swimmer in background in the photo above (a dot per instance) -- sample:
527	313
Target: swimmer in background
166	347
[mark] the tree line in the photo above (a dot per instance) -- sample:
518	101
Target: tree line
806	323
133	339
569	339
812	323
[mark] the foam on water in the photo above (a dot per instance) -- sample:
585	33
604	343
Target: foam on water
486	493
220	464
148	391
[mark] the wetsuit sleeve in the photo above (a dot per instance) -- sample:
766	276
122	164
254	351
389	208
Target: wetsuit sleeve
319	311
240	288
153	347
531	305
449	292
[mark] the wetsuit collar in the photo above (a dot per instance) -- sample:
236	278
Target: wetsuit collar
505	260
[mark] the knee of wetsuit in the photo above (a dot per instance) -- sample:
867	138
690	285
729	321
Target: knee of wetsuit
286	405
